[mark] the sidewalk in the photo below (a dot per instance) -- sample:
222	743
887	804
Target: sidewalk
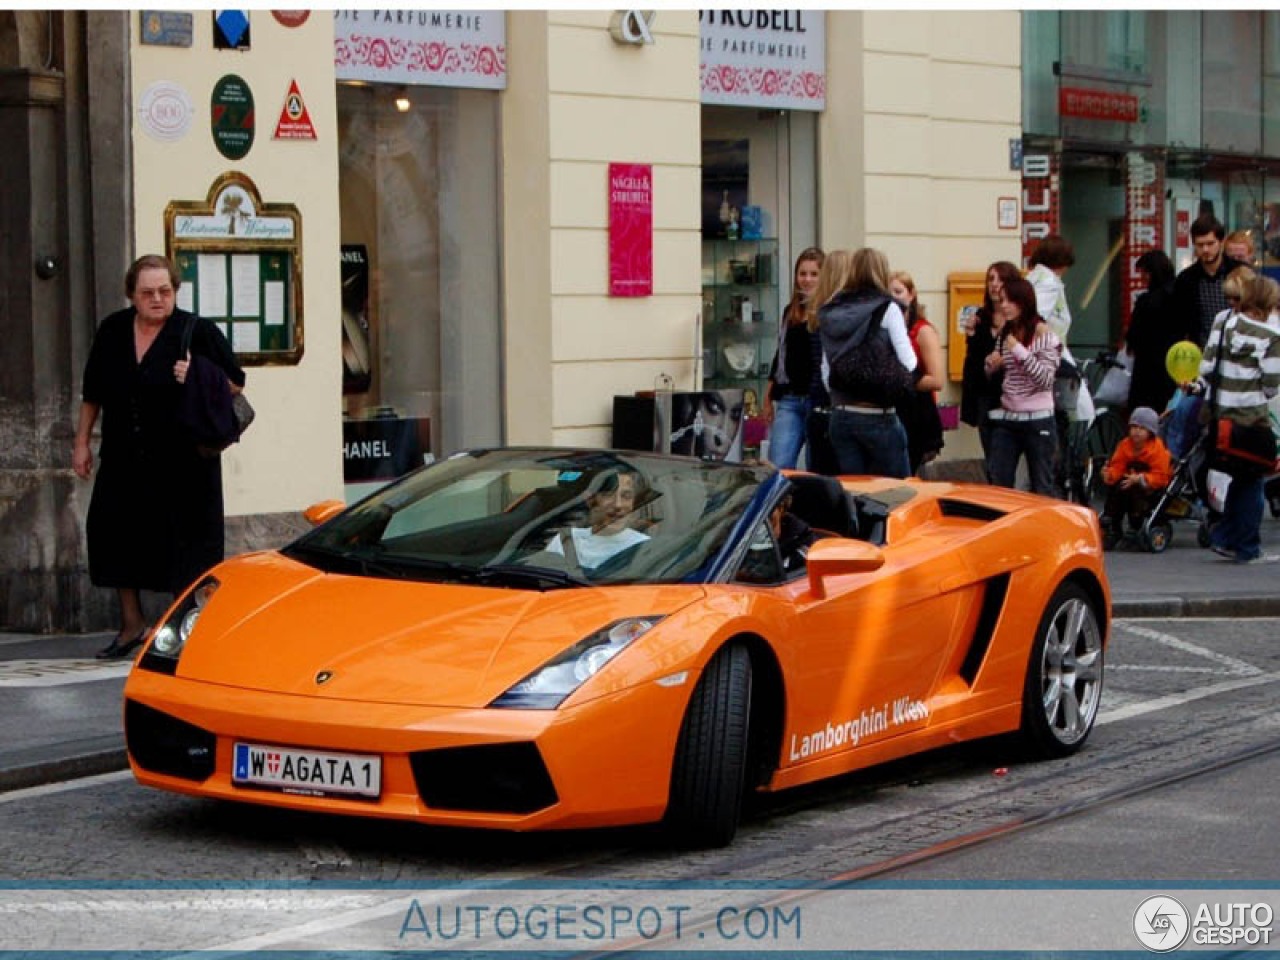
61	715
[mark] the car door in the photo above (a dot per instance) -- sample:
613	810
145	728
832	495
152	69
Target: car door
867	657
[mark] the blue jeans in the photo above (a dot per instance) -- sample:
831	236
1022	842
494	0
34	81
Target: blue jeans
869	443
1037	440
1240	528
786	436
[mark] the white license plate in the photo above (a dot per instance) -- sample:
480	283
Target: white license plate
307	772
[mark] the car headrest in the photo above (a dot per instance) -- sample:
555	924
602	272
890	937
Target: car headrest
823	503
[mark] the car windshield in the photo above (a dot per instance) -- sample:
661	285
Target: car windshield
541	519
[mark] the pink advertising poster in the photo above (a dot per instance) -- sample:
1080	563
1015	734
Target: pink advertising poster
630	230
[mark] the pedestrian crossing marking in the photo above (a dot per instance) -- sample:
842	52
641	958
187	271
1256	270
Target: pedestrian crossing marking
59	672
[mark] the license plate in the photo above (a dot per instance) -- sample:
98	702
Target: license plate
307	772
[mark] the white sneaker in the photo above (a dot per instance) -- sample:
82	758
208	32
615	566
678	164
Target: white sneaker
1264	558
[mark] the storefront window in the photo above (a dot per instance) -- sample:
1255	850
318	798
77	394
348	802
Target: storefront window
1271	83
1232	82
759	210
418	189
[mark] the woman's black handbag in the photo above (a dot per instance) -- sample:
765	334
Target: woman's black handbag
213	416
871	371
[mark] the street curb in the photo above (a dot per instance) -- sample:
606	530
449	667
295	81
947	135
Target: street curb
74	767
1265	605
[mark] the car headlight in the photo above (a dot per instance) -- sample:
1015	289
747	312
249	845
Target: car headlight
171	636
547	687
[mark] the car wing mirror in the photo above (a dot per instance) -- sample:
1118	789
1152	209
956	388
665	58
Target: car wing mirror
323	512
837	557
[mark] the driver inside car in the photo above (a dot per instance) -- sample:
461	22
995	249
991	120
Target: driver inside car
611	513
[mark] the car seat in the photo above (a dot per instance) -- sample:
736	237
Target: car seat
824	504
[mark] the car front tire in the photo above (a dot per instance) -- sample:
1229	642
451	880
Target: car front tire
1064	675
708	775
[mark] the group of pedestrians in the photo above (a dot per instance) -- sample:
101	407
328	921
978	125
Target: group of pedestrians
858	365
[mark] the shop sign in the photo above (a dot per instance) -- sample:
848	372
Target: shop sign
776	59
231	29
1039	200
165	111
630	230
291	18
295	121
165	28
1097	104
384	448
234	218
231	117
428	47
1143	222
357	366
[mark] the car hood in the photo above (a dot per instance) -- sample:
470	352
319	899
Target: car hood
277	625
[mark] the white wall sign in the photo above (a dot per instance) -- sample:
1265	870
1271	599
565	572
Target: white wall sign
764	58
165	111
428	47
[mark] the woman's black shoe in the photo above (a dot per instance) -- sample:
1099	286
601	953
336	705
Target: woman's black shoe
120	646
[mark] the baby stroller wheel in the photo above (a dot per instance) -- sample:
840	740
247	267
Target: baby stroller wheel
1157	536
1202	535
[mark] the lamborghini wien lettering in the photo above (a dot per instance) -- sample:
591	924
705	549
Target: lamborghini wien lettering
852	732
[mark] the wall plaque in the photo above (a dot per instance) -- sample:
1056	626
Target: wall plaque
165	28
231	117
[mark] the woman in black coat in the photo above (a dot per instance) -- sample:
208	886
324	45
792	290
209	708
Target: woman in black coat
1152	331
979	392
155	518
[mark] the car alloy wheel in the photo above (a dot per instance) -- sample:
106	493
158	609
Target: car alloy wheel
1064	676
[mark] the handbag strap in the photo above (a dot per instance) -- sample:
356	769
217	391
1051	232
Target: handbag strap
188	328
1217	366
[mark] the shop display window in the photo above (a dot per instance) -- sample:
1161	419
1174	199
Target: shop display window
418	189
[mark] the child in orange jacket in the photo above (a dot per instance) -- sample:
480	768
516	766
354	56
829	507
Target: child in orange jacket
1138	470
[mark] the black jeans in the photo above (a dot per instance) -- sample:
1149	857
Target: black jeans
1037	440
821	455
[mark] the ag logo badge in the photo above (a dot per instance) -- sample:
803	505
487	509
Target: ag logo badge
1161	924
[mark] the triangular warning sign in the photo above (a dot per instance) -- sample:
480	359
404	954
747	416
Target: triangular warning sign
295	122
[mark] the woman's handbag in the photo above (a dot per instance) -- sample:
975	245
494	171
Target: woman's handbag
1247	449
213	416
872	370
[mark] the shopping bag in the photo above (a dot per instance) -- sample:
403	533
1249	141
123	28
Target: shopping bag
1218	483
1113	391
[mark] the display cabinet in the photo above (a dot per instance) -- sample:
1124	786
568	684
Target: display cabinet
740	312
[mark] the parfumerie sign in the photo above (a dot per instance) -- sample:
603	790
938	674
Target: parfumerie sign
436	48
764	58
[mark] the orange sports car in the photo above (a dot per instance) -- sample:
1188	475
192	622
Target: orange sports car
535	638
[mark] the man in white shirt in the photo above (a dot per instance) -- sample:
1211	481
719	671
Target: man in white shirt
611	510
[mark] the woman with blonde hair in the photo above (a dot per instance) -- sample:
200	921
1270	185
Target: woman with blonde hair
870	362
919	412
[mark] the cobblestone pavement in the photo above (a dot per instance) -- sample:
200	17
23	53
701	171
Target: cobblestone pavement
1180	694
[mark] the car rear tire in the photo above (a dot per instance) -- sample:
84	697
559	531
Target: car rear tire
1064	675
707	777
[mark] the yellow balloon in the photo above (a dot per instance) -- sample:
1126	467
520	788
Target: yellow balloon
1183	362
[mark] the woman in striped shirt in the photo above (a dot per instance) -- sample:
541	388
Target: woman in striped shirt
1028	352
1241	381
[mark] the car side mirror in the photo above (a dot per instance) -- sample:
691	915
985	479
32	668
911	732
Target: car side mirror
323	512
836	557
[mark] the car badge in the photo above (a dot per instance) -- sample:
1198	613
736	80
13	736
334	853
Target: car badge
324	676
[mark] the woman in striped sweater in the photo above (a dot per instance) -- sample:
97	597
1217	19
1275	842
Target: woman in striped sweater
1027	351
1241	381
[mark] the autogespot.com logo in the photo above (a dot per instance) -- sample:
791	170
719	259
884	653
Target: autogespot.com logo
1161	923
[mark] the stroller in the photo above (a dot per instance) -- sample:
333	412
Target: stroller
1186	498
